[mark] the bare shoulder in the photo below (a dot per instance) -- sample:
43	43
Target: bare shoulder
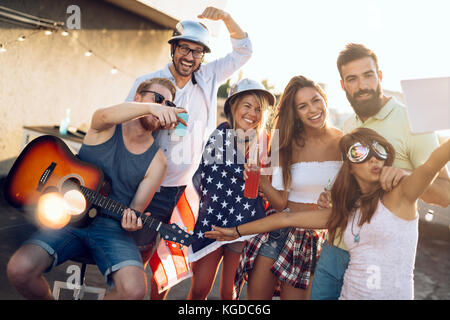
333	142
335	133
95	137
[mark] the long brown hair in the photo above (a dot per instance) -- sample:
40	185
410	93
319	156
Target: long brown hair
346	195
289	125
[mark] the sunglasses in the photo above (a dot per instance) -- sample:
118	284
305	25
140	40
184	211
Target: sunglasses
159	98
359	152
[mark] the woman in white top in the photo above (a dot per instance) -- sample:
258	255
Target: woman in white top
309	161
379	228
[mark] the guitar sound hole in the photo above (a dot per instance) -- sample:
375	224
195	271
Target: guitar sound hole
70	184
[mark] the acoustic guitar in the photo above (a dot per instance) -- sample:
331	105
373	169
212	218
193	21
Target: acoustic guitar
47	165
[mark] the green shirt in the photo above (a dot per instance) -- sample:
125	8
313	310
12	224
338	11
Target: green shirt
391	122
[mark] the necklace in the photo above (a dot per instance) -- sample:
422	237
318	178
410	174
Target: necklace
355	236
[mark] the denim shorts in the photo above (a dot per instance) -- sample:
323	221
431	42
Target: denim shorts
329	273
161	208
235	247
275	242
109	245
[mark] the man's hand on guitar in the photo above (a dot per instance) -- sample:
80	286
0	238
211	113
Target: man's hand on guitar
130	222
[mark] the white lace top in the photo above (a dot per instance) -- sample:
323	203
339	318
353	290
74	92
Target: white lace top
308	179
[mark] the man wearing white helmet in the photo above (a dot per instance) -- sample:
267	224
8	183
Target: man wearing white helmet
197	86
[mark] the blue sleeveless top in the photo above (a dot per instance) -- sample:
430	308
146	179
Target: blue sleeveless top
125	169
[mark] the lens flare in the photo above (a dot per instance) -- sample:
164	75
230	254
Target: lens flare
74	202
51	212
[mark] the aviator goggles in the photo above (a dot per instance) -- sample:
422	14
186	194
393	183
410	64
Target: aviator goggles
159	98
359	152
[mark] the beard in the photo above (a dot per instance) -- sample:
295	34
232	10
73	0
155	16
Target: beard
369	107
180	70
147	125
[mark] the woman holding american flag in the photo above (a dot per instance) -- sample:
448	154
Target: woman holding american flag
222	200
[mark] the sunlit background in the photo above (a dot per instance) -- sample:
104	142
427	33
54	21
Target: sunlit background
292	37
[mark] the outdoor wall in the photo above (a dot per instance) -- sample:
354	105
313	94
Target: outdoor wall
43	75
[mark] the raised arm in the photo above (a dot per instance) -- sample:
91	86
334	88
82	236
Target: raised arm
317	219
105	118
421	147
215	14
241	52
413	186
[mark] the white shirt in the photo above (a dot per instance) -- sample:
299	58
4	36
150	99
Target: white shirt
184	153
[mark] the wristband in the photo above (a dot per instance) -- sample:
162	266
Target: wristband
237	230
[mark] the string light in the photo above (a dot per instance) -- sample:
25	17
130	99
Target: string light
429	215
53	30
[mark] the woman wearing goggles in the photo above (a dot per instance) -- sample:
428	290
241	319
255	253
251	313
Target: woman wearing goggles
379	228
359	152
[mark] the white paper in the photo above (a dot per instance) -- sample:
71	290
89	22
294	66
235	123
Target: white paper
427	104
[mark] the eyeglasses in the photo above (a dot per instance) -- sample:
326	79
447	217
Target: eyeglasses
159	98
197	54
359	153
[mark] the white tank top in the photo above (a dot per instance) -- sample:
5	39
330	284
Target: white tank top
308	179
382	262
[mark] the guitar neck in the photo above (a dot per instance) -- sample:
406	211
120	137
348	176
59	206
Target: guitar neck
116	208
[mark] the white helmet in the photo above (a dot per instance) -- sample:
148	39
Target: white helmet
191	31
245	86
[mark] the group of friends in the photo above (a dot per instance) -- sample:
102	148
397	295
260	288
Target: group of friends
335	219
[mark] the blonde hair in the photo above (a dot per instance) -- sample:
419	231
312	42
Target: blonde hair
147	84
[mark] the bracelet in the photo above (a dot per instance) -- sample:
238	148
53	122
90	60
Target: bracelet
237	230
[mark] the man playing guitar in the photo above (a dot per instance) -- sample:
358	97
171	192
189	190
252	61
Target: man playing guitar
120	142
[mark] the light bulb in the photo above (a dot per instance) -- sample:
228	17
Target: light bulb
51	212
114	70
21	38
88	53
429	215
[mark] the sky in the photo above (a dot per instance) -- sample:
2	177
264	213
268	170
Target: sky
297	37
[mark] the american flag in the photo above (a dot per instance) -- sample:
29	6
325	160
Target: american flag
221	191
169	262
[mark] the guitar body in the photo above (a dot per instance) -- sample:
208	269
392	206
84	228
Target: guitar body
47	165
